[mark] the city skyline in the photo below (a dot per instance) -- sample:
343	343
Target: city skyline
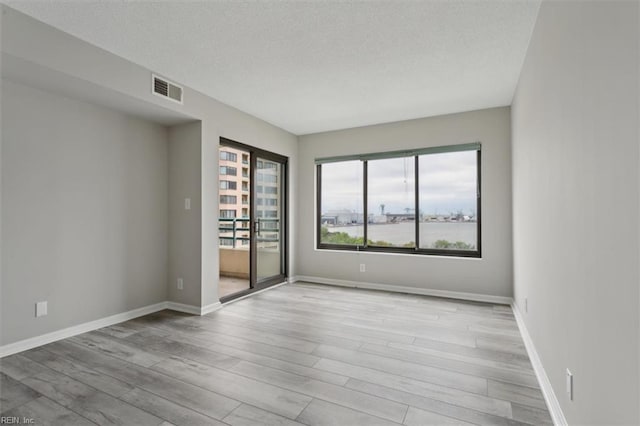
448	184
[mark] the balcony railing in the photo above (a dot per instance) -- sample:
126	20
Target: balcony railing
269	229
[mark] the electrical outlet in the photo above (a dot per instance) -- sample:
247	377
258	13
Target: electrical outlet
180	284
363	268
526	304
41	309
569	385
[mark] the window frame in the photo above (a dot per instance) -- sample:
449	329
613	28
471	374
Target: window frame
477	253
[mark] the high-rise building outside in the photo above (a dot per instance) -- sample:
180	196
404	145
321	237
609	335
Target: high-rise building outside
234	196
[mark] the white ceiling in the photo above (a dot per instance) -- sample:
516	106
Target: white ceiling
311	66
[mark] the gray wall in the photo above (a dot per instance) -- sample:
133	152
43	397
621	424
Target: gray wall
185	231
41	47
84	212
491	275
575	204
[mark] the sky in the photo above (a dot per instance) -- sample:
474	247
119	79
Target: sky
447	184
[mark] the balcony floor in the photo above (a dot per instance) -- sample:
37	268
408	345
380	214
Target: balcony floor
230	285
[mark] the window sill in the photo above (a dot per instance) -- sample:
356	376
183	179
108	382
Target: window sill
476	255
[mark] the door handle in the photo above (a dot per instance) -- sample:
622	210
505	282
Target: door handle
256	226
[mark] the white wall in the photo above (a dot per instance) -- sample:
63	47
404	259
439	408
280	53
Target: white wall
575	204
491	275
84	211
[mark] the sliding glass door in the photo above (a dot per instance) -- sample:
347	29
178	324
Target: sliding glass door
268	221
258	243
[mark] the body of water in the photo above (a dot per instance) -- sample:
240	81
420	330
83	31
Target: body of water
402	233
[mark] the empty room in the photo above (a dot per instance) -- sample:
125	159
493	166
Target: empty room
320	212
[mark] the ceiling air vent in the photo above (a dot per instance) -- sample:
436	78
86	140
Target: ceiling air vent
163	87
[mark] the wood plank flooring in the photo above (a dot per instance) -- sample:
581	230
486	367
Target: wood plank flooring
298	354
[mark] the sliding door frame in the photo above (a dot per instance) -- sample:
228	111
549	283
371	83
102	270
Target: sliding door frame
254	153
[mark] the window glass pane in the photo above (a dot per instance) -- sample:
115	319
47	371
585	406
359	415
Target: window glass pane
391	202
342	203
270	230
230	171
226	184
228	156
228	199
227	214
448	203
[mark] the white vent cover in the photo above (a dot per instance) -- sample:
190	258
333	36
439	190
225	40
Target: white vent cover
163	87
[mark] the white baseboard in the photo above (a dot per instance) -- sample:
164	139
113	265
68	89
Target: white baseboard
181	307
44	339
193	310
33	342
411	290
210	308
547	391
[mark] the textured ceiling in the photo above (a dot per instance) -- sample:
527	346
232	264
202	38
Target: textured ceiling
317	65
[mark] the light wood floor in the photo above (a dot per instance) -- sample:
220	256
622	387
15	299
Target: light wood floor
297	354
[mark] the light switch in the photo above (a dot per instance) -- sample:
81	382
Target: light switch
187	203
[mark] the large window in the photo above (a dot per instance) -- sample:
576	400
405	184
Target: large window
421	201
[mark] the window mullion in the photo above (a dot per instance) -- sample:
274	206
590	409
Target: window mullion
319	204
417	201
478	203
366	202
